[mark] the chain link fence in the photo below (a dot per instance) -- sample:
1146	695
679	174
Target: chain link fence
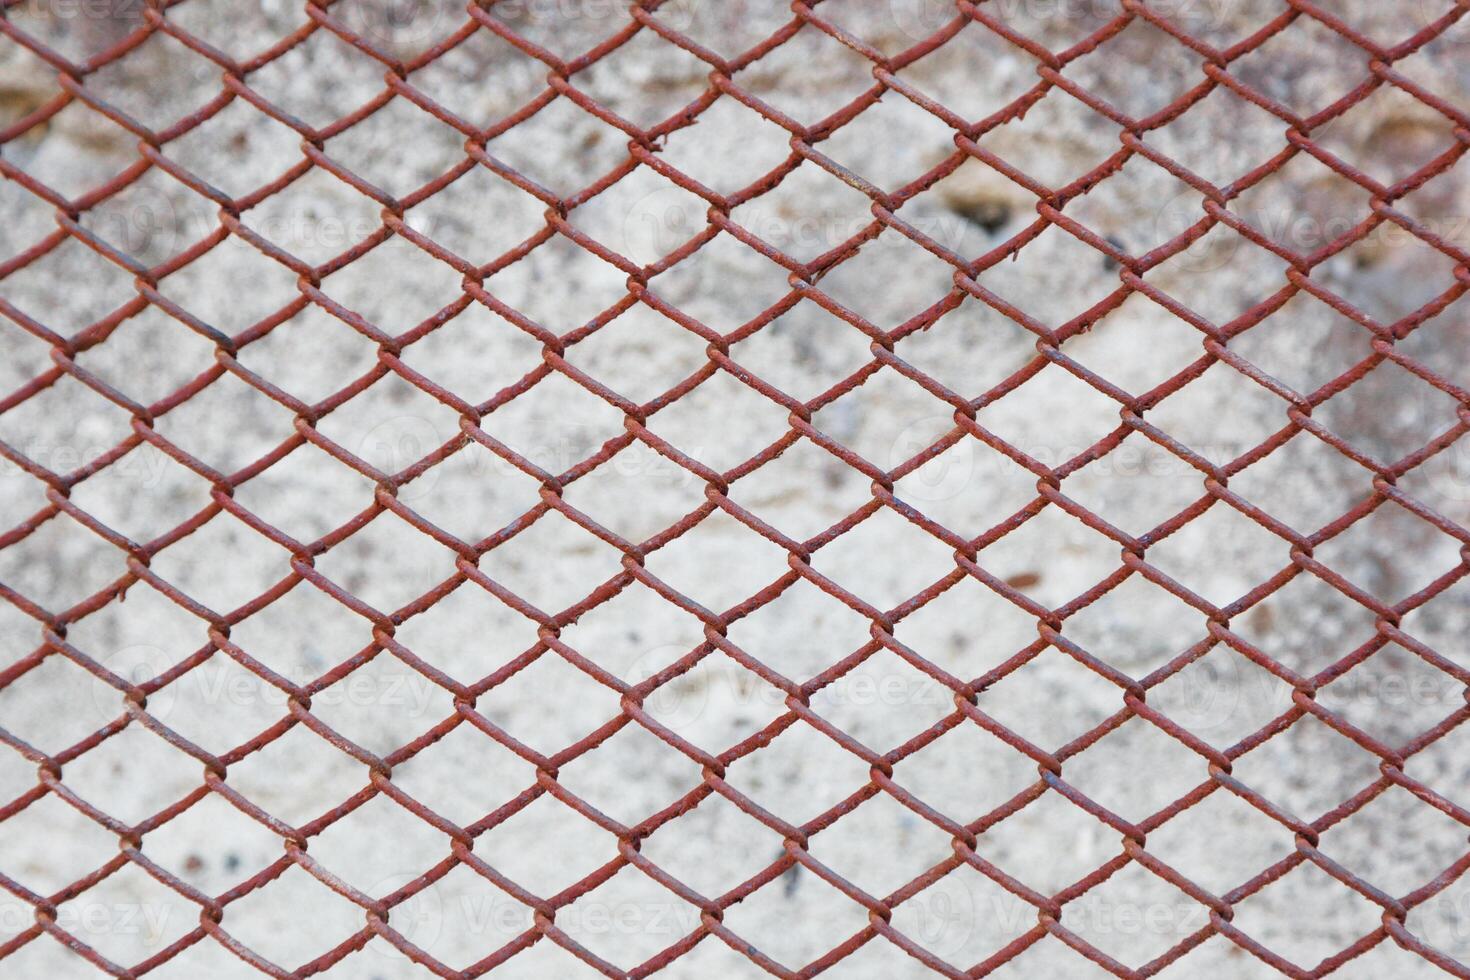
872	488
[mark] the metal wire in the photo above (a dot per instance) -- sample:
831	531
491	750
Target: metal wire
643	150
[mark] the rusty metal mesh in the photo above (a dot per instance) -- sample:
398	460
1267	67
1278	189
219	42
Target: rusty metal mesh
886	345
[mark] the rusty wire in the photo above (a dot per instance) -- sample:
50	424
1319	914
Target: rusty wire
643	148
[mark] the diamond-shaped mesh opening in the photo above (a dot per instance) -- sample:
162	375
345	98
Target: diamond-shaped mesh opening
519	845
1137	626
416	846
1018	700
1014	854
675	80
762	917
312	761
629	918
769	776
1346	916
644	217
664	775
1306	625
931	280
1172	69
846	560
561	490
266	288
212	846
506	706
272	149
152	219
841	847
1135	916
1254	555
265	918
1106	768
424	776
104	775
127	917
61	563
1385	573
314	218
429	149
1008	772
1090	557
778	633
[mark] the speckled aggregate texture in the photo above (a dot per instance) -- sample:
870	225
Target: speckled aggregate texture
56	835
